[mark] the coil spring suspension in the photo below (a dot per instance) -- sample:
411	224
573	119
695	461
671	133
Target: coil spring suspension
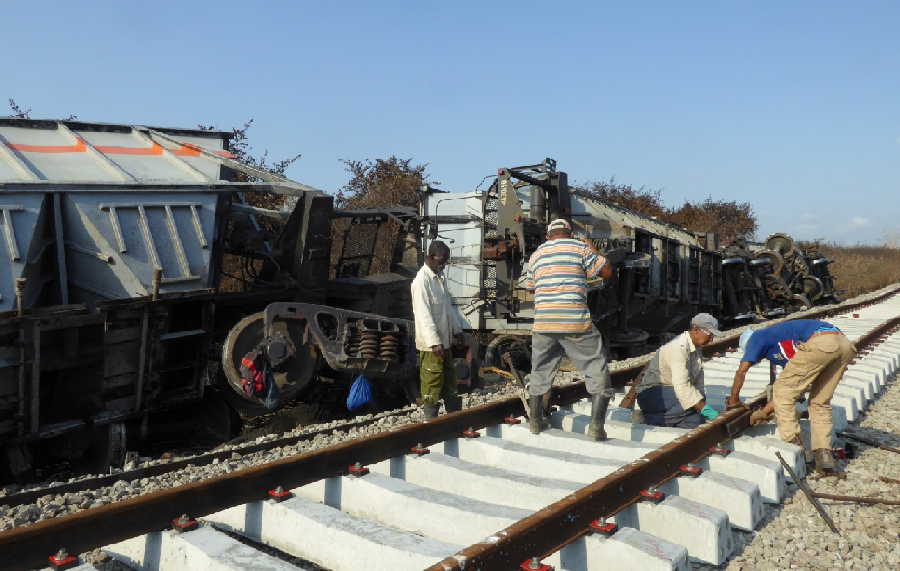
368	346
389	347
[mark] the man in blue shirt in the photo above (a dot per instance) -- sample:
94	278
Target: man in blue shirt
814	355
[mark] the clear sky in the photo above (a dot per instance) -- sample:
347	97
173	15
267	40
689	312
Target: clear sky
792	106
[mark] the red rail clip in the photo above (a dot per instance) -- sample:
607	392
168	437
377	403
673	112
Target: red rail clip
419	450
471	433
719	450
357	470
62	560
691	470
601	526
839	453
652	495
184	523
855	315
279	494
511	420
534	564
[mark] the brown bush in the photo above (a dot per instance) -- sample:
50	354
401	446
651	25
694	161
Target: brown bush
728	219
643	200
861	269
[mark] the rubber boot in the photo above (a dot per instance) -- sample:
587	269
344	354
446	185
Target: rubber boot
430	410
825	463
536	420
599	404
453	404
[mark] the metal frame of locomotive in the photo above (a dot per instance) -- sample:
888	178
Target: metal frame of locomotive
127	257
492	233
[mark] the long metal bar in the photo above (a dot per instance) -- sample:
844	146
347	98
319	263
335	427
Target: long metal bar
870	442
810	495
857	499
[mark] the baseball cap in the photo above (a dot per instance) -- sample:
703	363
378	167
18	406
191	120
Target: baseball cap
706	322
559	224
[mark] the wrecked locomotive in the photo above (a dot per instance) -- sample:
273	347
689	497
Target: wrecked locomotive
670	274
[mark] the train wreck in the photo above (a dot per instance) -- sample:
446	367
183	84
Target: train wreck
146	270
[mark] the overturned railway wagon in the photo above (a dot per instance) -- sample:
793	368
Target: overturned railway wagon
669	276
670	273
131	258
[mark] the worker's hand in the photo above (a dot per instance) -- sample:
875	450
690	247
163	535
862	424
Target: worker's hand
438	350
758	417
708	412
733	404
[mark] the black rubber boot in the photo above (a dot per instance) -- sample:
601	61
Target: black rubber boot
599	404
430	410
825	463
536	420
453	404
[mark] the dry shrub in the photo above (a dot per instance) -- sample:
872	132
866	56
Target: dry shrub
861	269
728	219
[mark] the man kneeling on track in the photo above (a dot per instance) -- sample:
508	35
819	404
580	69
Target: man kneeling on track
814	355
671	389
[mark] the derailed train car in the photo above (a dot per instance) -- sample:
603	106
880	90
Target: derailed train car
131	258
670	274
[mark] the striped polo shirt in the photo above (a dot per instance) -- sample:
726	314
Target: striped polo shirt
558	272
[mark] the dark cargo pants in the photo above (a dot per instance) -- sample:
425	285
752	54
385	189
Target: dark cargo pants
585	350
437	376
660	407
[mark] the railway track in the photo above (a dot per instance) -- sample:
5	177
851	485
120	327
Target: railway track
543	493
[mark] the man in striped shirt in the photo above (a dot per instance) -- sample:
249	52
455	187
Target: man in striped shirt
558	272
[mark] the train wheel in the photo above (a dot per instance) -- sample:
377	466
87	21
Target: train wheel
518	347
292	376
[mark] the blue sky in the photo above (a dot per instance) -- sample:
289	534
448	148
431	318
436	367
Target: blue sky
794	107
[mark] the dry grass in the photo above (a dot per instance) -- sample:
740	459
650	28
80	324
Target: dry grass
861	269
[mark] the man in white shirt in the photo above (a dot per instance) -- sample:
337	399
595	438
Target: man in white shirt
671	389
438	324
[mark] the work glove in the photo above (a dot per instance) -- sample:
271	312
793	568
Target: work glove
758	417
708	412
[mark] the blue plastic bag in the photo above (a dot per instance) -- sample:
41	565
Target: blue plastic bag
272	397
360	394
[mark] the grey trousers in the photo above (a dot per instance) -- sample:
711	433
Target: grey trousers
585	350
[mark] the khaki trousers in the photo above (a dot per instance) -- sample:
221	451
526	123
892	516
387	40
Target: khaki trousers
437	376
816	367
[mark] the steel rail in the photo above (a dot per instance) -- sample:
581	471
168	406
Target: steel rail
539	534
